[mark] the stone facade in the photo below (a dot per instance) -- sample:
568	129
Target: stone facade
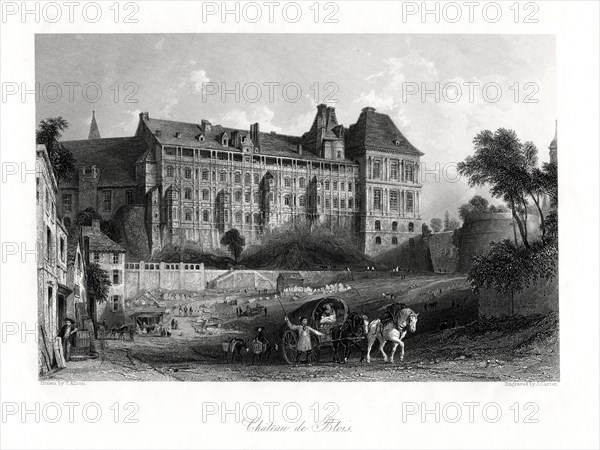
197	181
51	253
110	256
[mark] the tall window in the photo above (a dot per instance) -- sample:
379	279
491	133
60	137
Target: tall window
205	194
335	202
350	203
302	200
410	202
394	169
188	173
394	241
377	225
287	182
328	203
116	277
187	194
188	215
205	216
409	172
116	258
205	175
256	178
327	185
301	183
378	240
394	200
376	198
222	177
394	226
248	218
114	306
342	203
349	187
411	227
169	171
377	168
238	217
335	185
247	196
67	202
255	198
237	196
129	197
342	186
237	178
96	258
247	178
106	200
286	200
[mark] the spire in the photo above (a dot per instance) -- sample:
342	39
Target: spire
94	132
554	144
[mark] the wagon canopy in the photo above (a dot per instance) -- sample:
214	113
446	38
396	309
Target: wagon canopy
314	308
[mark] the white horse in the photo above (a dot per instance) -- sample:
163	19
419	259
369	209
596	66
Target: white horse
407	321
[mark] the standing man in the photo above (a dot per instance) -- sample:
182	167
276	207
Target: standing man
67	335
304	332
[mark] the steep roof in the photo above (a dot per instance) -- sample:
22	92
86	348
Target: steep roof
115	157
94	131
100	242
377	130
271	144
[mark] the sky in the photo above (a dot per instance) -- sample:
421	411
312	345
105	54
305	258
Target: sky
440	90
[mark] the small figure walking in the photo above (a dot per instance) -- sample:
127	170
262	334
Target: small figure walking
304	332
67	334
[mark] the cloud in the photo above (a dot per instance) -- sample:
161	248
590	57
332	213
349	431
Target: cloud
375	75
198	78
237	118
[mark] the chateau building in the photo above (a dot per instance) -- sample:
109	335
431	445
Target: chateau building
194	181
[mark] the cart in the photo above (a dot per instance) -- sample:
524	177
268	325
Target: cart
312	310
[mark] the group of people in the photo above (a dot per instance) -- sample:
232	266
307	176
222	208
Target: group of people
185	311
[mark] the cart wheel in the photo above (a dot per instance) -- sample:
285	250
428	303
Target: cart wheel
315	354
289	344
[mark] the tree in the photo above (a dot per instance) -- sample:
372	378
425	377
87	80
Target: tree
425	230
235	242
508	268
446	221
98	283
507	166
436	224
477	205
453	224
61	159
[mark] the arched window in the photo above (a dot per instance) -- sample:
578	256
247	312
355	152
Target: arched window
237	196
205	175
188	215
378	240
256	198
222	177
256	178
238	217
188	173
350	203
187	194
205	195
335	202
301	183
394	241
286	200
247	178
302	200
394	226
205	216
237	177
377	225
411	227
169	171
256	218
248	218
287	182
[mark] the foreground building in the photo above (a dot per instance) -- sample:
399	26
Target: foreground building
191	182
51	258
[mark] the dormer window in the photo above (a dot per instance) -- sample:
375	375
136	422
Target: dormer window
177	134
225	140
397	142
158	133
201	138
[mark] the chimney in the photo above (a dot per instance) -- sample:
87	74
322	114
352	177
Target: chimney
86	250
178	134
144	116
255	134
96	224
205	126
157	133
300	149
